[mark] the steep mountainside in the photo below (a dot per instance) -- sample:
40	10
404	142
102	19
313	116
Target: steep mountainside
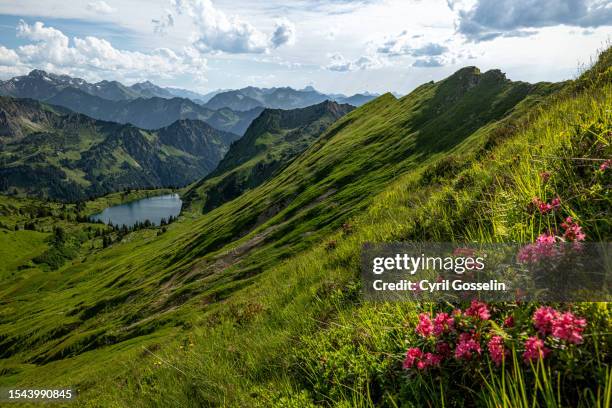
274	139
70	156
154	112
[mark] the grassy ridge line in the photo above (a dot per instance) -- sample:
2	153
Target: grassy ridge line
136	287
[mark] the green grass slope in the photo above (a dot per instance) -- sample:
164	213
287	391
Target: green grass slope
223	308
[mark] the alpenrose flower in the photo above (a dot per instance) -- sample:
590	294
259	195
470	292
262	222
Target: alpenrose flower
534	349
542	248
460	335
545	207
543	319
573	231
443	323
496	349
568	327
416	358
466	346
478	309
425	327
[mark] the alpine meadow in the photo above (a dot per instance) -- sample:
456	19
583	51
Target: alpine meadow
285	161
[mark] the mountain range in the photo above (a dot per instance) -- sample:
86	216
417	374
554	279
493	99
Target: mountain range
41	85
154	112
52	88
280	98
143	104
69	156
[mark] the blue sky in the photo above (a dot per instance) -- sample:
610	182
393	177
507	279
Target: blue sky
335	45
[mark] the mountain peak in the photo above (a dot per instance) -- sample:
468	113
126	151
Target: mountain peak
38	73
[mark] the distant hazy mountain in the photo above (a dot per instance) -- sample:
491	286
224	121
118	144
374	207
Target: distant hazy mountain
280	98
148	89
274	139
143	104
194	96
152	113
70	156
235	100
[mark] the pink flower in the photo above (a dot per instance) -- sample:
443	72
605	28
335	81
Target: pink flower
432	360
542	206
568	327
543	248
442	323
425	327
606	165
573	231
534	349
509	321
496	349
545	207
543	319
545	239
412	356
466	346
416	358
478	309
555	203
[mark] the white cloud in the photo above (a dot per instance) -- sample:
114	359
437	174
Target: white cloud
428	62
483	20
340	64
426	54
218	32
8	57
283	34
101	7
407	44
52	50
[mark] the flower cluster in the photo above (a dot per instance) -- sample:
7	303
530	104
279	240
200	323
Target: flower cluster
468	336
479	310
544	246
545	207
534	349
497	349
572	231
605	165
564	326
